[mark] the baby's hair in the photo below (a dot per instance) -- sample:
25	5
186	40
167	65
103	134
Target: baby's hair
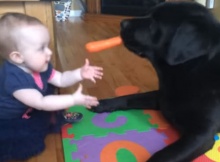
9	25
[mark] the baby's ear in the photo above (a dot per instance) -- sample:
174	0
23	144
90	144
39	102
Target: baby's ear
16	57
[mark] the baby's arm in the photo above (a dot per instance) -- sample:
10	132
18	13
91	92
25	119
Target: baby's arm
69	78
66	78
34	99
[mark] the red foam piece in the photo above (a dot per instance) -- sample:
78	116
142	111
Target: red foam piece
171	133
203	158
65	131
157	118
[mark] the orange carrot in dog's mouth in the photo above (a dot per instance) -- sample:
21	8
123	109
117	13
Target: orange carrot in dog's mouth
100	45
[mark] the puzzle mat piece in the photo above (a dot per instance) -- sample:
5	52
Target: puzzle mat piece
64	132
157	119
171	134
133	146
101	124
68	149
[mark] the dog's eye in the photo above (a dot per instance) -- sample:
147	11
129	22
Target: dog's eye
153	26
155	32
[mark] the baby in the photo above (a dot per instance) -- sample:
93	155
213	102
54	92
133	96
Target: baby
27	81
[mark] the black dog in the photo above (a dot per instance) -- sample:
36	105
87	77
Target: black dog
182	40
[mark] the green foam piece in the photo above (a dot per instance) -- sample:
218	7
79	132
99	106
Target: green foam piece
125	155
68	150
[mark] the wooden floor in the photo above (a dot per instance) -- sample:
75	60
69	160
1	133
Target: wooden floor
121	67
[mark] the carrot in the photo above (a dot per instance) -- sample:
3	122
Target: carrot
100	45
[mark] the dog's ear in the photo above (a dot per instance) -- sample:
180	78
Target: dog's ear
188	43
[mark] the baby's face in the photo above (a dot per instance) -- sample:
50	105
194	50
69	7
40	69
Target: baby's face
33	46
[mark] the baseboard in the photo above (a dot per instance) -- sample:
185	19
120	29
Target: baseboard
75	13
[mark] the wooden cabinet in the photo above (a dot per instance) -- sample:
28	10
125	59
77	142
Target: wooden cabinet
43	10
93	6
216	9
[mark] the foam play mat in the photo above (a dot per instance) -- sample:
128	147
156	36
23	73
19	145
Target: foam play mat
121	136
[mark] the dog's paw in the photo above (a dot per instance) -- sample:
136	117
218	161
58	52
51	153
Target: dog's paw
104	106
109	105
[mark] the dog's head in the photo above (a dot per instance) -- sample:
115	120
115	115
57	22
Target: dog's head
174	32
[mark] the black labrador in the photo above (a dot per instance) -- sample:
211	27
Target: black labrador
182	40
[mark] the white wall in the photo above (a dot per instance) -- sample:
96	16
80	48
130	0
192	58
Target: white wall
76	9
203	2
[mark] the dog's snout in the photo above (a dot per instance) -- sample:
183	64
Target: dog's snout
124	23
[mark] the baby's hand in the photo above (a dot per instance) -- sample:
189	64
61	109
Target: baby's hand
84	100
91	72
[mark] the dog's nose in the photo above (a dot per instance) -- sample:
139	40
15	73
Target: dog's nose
124	23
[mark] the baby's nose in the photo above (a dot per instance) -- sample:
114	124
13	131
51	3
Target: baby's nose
49	52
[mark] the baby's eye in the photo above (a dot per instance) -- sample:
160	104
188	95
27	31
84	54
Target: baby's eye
41	48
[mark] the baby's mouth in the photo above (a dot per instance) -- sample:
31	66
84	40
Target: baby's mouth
47	61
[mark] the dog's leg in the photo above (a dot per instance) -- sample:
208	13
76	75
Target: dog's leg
186	148
135	101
